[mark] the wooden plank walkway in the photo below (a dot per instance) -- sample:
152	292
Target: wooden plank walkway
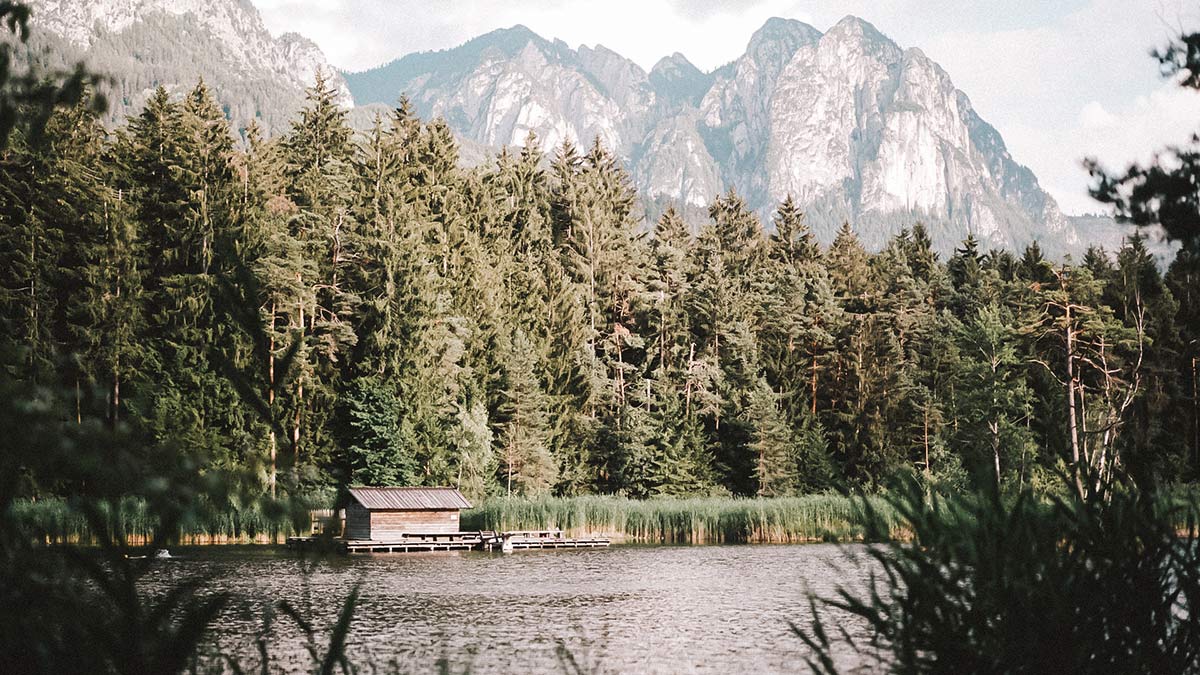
454	541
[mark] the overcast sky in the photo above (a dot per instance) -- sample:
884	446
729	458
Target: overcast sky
1060	79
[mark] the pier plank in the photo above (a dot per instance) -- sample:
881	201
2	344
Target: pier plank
416	542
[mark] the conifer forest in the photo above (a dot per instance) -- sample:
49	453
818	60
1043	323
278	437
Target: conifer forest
328	307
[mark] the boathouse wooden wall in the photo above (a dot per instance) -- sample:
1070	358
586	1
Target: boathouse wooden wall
358	521
383	524
388	523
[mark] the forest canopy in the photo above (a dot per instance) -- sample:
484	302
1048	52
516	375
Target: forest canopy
329	307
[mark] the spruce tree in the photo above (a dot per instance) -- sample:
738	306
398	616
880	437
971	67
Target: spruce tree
316	155
994	401
528	467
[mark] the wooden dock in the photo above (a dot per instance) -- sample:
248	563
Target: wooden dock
454	541
529	539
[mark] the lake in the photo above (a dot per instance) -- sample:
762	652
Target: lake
627	609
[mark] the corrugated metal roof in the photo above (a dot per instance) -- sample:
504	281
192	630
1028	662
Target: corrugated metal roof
409	498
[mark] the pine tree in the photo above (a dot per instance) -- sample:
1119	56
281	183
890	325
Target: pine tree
1183	282
995	400
728	260
50	201
471	444
526	459
114	312
797	309
849	270
793	242
775	463
316	157
966	273
1098	375
182	185
373	437
602	255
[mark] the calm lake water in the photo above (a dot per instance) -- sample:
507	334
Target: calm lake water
627	609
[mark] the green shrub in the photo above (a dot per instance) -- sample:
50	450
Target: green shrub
1107	584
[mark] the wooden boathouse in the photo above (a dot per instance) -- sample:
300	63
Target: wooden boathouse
390	513
422	519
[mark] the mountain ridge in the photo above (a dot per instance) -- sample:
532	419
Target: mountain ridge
846	121
174	43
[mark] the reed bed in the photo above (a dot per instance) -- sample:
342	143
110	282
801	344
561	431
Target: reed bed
700	520
56	521
696	520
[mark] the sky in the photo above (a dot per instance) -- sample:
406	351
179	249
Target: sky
1060	79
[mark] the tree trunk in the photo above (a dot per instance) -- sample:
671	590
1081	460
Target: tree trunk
271	400
296	423
925	422
1195	417
1071	421
514	449
995	428
994	424
662	331
299	389
813	383
116	395
687	408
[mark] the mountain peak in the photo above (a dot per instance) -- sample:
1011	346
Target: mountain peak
772	45
678	80
508	40
600	49
847	122
676	59
517	31
229	35
853	26
780	30
674	64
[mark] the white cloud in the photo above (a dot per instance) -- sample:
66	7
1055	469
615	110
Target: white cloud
1094	116
1132	133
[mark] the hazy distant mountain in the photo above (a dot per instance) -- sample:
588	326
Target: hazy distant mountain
1105	232
146	43
847	122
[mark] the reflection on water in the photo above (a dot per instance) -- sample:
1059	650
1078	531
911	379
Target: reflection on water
625	609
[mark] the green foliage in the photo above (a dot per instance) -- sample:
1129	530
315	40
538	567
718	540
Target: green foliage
374	440
29	96
318	309
60	521
188	325
694	520
991	585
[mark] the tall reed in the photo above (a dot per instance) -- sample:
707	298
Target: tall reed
698	520
55	521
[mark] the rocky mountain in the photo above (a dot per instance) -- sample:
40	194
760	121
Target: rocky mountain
846	121
142	44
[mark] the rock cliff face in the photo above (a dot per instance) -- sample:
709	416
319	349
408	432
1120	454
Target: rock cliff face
146	43
858	123
847	122
497	88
